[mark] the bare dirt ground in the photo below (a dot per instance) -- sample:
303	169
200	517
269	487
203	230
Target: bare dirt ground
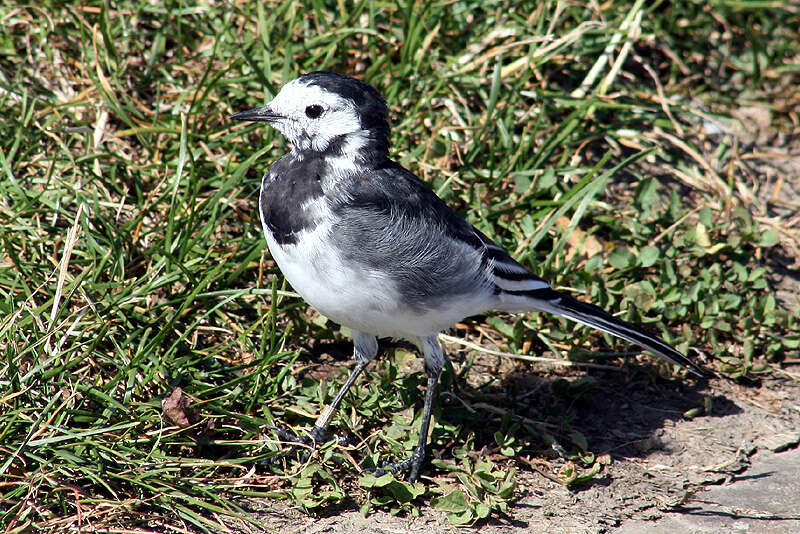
660	464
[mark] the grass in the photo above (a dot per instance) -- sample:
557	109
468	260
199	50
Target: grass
599	144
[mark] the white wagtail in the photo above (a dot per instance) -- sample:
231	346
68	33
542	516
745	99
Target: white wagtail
371	246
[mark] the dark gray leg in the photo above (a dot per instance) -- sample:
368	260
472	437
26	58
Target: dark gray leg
365	348
434	361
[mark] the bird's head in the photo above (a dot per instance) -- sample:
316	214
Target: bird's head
328	113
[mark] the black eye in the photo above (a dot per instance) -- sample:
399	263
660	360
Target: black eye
313	111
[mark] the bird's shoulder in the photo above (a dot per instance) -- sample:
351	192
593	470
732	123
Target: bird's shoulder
397	196
398	193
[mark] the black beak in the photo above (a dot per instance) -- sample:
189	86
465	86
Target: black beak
257	114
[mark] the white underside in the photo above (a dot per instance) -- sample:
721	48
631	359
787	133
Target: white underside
358	297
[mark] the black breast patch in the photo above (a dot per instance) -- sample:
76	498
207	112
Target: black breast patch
287	187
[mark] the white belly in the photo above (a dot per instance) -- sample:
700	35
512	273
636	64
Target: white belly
355	296
351	295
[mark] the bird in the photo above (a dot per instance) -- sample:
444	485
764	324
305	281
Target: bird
371	246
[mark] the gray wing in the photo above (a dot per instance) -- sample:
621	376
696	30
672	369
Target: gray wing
390	220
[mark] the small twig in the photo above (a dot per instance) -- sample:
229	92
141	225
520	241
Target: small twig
662	99
537	359
674	225
534	465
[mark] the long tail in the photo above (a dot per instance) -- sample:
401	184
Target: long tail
549	300
519	290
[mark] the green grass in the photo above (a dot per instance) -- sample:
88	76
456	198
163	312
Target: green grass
132	260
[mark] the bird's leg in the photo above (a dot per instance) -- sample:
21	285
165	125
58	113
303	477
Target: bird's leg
434	361
365	348
319	433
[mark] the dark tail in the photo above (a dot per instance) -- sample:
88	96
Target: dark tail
587	314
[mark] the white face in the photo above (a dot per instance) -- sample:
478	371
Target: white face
301	125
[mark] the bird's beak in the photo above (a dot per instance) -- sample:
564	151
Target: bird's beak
264	114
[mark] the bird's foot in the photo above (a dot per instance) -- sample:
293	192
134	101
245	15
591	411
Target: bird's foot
413	462
318	436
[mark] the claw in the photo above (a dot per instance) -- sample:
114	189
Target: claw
290	437
413	462
317	436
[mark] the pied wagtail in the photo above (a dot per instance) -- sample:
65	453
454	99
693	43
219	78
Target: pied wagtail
371	246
